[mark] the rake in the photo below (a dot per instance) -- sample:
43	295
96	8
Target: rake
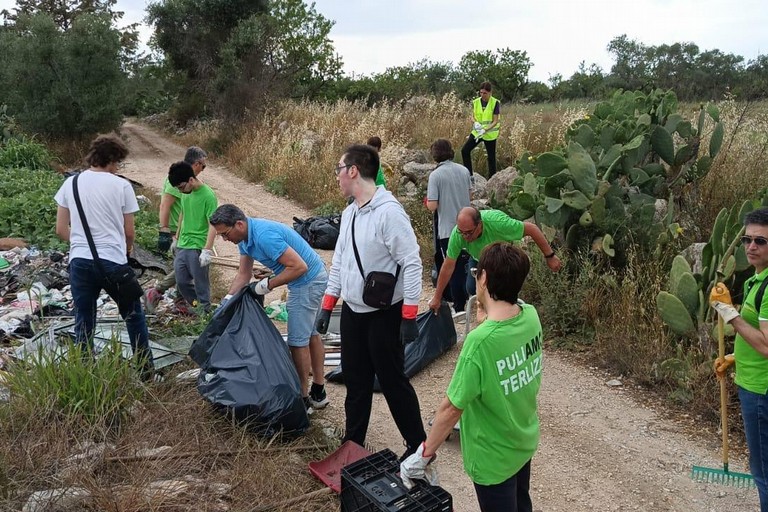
722	476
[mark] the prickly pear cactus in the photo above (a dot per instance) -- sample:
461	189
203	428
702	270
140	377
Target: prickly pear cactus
599	190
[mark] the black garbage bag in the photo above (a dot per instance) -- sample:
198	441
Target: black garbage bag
319	232
437	335
247	371
324	231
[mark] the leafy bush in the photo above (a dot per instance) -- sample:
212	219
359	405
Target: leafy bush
29	154
28	210
90	392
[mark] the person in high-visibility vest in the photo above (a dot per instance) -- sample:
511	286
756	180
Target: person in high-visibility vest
485	128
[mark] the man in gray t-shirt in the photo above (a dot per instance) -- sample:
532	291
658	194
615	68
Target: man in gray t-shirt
447	193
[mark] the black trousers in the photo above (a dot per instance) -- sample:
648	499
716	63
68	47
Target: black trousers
490	149
511	495
370	346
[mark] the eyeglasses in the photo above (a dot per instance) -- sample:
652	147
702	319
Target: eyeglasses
759	240
340	168
467	233
225	234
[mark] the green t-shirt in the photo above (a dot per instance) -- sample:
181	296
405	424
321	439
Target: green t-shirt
173	220
497	378
497	227
751	366
380	180
197	207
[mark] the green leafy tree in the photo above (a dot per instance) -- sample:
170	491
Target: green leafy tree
248	51
505	68
630	70
63	83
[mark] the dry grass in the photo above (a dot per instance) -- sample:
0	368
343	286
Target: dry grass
740	170
33	457
299	144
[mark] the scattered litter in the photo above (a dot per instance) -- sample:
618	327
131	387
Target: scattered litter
276	310
614	383
189	374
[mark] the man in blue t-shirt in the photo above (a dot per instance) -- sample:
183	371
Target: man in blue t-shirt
294	263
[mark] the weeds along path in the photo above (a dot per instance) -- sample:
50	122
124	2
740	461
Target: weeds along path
601	449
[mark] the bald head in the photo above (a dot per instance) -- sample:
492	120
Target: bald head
468	215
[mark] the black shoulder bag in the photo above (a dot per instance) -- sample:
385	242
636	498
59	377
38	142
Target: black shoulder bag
379	287
122	284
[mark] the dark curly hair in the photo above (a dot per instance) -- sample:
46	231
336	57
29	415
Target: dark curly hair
106	149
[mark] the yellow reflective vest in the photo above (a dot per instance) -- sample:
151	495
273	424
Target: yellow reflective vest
484	116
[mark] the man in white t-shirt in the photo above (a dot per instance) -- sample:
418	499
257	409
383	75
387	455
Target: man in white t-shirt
109	204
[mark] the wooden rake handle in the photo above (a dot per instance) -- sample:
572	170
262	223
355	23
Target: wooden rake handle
723	391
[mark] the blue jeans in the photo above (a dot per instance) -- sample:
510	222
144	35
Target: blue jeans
457	287
303	303
471	281
86	283
754	411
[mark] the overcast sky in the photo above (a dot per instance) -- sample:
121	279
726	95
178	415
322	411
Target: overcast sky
557	34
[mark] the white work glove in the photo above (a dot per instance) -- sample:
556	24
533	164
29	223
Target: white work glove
480	133
206	255
477	126
419	467
262	287
726	311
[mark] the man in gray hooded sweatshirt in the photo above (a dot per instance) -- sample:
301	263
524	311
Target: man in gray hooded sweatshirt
375	234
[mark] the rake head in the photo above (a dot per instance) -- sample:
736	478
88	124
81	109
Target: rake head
722	476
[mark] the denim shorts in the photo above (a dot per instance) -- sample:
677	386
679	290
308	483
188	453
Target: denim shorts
303	303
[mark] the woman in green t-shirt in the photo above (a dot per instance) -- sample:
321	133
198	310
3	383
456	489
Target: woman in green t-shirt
493	390
751	347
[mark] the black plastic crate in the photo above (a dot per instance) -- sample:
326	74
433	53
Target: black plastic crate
372	485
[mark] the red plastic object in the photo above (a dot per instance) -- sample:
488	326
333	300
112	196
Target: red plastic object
328	470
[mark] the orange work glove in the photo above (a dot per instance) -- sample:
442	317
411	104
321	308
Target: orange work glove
721	294
722	364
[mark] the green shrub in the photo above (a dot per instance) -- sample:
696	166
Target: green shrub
93	393
276	186
28	210
29	154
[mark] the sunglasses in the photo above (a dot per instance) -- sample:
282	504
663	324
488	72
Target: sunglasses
473	272
759	240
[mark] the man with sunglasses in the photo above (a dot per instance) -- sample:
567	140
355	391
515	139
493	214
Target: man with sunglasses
750	353
170	208
195	236
295	264
475	230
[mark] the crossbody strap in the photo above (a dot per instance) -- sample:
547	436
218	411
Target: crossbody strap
87	229
357	254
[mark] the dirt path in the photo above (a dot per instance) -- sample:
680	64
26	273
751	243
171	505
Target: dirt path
601	449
